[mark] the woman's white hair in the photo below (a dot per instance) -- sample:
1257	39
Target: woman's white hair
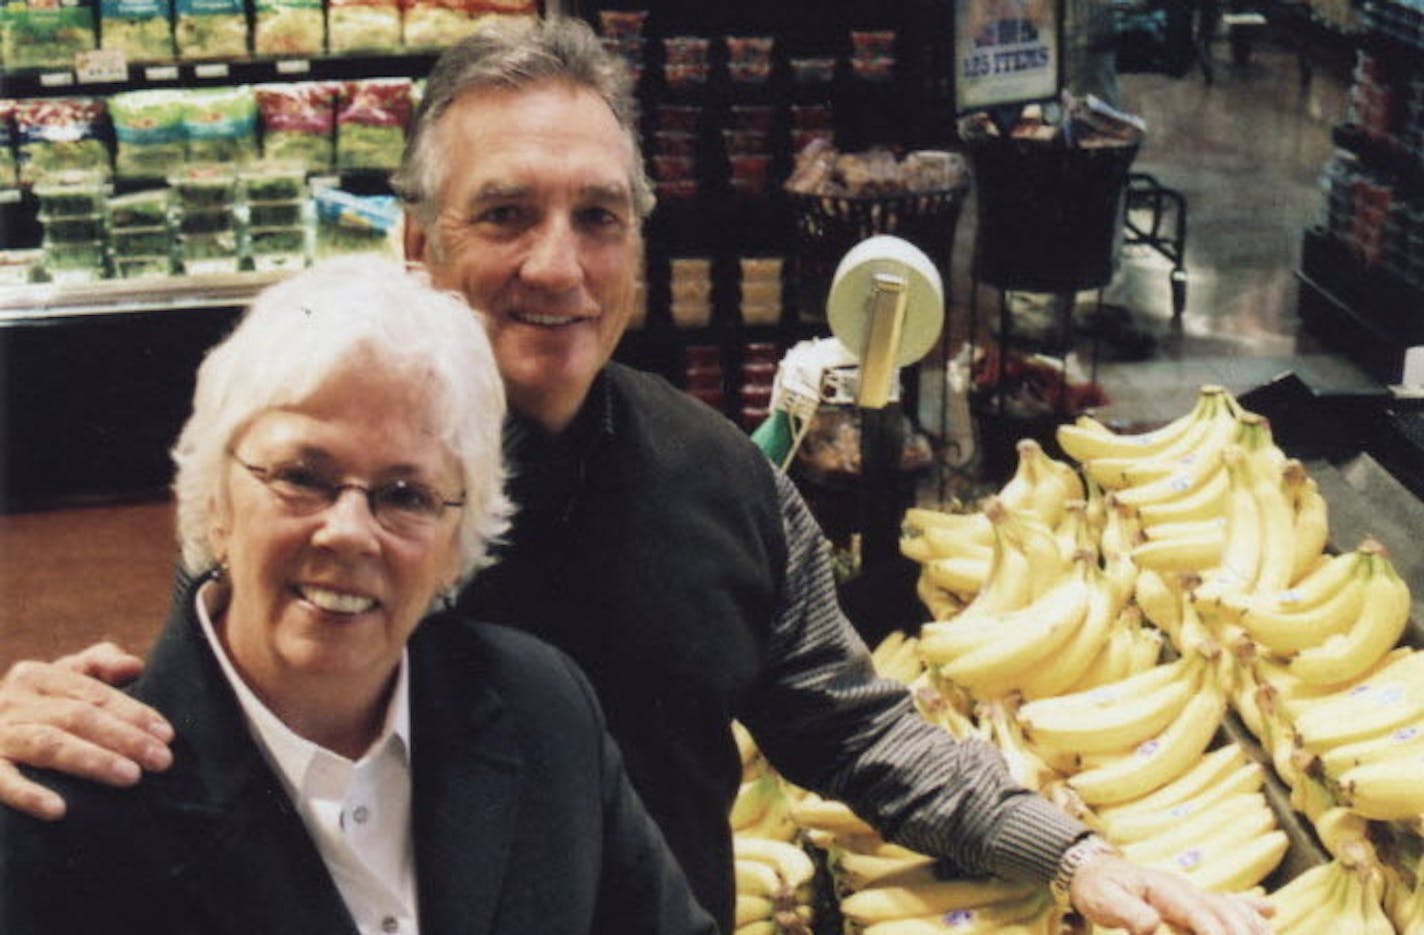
297	335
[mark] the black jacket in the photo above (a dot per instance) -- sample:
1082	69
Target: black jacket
523	820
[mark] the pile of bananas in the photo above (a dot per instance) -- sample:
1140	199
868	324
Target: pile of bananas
773	872
1206	531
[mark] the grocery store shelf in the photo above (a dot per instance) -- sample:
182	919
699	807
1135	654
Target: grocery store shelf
49	81
40	301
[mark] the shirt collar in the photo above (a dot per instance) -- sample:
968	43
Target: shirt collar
290	754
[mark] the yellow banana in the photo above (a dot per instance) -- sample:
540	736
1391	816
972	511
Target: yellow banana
1158	761
754	799
812	811
1210	770
1140	824
746	746
1089	439
754	878
1025	765
752	908
888	903
886	649
1161	604
1398	743
1206	502
1194	472
1310	518
1114	728
1319	585
1236	812
1144	650
1305	896
1382	619
1290	630
941	603
1243	547
960	575
1190	552
759	927
992	917
1386	790
790	862
1073	533
1057	673
1049	490
1239	865
1025	639
1293	695
1276	513
1345	835
863	871
1121	530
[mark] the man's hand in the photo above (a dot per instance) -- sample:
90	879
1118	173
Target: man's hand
63	716
1110	891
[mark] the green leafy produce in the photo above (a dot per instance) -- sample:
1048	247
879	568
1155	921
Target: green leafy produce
87	255
140	267
139	209
271	181
278	239
363	26
200	187
207	222
298	121
141	241
40	34
152	139
72	193
77	228
141	29
274	213
221	125
288	27
206	29
209	246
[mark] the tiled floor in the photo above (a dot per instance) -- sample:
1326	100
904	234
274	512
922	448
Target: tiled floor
1247	152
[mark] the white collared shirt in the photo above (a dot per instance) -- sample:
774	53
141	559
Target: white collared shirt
358	814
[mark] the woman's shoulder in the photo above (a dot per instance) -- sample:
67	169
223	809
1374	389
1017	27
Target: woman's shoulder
504	658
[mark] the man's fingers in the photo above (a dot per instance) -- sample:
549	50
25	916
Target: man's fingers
37	691
31	798
48	747
104	661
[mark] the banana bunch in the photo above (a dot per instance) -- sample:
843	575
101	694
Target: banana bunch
773	881
1369	636
1111	778
1116	717
763	809
1330	898
896	657
1026	766
1041	485
962	907
944	704
1224	771
835	819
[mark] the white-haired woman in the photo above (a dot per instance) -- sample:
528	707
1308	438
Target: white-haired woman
345	760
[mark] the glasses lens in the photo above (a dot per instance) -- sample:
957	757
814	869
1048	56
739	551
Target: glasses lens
300	486
406	503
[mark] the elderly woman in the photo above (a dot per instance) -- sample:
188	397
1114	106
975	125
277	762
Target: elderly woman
345	762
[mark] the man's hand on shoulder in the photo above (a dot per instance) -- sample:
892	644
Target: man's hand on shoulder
66	716
1109	890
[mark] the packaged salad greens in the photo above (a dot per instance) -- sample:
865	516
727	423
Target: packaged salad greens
45	33
363	26
221	124
143	209
8	174
370	123
60	133
71	193
297	121
148	125
288	27
141	29
274	181
203	187
437	24
205	29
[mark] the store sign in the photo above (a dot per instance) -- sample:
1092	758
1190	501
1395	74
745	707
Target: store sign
1006	52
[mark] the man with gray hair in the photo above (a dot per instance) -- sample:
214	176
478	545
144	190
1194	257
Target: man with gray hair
653	543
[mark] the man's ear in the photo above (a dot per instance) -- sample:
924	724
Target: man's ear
415	238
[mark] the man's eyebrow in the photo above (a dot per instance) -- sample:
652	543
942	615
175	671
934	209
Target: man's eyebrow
600	192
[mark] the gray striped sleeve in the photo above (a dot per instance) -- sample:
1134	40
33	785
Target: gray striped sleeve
829	724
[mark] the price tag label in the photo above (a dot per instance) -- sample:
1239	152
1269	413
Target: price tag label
57	79
215	70
9	196
293	66
98	66
161	73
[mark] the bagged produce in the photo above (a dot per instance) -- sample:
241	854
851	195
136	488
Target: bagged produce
349	223
436	24
298	121
221	125
45	33
141	29
288	27
150	133
363	26
206	29
370	123
62	133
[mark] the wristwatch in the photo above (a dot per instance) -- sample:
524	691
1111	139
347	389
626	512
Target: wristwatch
1077	854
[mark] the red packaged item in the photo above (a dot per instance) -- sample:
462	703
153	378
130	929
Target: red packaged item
371	120
297	122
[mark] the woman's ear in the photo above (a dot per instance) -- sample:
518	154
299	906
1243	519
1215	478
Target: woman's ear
219	531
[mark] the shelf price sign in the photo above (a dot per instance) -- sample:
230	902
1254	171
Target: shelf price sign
101	66
1006	52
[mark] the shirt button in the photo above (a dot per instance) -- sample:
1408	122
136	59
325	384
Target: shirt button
360	813
390	925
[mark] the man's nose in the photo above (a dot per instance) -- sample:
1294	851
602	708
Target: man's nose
553	258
